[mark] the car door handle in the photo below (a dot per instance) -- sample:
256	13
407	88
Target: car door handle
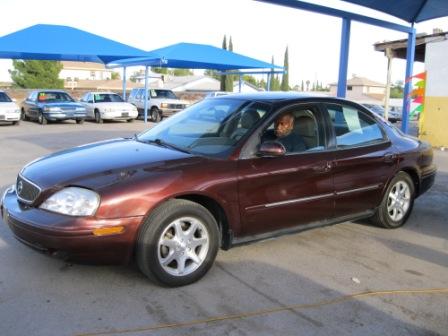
323	168
389	158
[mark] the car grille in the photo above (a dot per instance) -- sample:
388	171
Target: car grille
177	106
2	117
26	191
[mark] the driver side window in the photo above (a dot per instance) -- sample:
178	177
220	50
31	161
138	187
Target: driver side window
297	129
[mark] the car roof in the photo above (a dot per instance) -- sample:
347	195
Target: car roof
102	92
279	96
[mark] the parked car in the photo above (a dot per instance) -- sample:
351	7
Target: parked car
9	111
394	114
52	105
161	103
108	106
206	178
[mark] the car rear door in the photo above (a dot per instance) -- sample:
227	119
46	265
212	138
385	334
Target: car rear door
363	159
283	192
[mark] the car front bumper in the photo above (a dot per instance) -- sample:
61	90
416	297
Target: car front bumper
9	116
119	115
54	116
68	237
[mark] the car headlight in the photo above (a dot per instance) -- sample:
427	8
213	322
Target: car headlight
52	109
73	201
164	105
17	111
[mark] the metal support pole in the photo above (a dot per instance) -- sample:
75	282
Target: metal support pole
239	83
124	83
410	54
269	82
390	56
343	58
146	94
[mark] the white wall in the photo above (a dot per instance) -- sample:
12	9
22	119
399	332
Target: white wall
85	74
436	63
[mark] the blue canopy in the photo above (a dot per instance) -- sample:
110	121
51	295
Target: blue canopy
195	56
62	43
408	10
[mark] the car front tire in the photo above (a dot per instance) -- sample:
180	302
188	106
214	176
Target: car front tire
98	118
41	119
178	243
155	115
397	203
80	121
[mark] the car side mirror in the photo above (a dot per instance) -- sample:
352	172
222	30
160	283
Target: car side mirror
271	148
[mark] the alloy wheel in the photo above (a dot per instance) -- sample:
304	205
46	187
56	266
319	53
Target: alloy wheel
398	201
183	246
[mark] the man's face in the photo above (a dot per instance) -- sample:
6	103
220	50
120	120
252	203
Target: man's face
283	125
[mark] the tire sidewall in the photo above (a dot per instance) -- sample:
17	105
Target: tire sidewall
155	114
154	226
385	218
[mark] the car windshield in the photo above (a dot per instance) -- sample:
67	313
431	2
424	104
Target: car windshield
4	98
107	98
54	97
162	94
211	127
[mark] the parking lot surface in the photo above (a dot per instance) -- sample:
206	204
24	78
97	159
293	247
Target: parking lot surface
293	285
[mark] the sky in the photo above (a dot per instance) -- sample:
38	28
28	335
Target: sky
258	30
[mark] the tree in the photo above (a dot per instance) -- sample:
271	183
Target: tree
307	84
229	78
115	75
163	71
285	77
37	74
223	77
302	87
212	73
271	77
396	91
181	72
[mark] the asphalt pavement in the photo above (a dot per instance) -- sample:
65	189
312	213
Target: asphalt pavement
294	285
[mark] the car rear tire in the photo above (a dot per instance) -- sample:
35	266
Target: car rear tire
178	243
80	121
155	115
98	118
16	122
397	203
41	119
130	120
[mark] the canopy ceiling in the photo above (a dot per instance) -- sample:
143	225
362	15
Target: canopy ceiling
195	56
62	43
407	10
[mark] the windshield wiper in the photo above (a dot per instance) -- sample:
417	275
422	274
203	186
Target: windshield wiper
162	143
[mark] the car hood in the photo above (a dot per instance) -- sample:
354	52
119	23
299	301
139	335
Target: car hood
171	101
98	164
8	106
115	106
62	105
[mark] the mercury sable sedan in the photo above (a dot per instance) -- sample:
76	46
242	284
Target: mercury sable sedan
108	106
9	111
52	105
225	171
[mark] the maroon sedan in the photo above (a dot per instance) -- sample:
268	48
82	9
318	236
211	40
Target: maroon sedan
225	171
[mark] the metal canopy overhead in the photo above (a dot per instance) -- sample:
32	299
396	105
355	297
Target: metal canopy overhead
62	43
195	56
412	11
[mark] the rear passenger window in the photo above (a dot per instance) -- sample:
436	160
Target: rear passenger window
352	127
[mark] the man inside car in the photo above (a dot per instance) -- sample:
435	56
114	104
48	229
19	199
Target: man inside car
283	133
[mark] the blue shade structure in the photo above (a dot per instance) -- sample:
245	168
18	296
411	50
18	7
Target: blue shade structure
63	43
195	56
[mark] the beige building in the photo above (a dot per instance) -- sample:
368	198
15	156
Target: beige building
362	90
75	71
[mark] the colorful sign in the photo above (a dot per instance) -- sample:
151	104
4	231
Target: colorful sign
417	95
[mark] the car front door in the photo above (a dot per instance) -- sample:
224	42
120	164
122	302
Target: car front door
286	191
363	159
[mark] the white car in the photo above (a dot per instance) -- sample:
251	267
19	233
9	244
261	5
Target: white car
108	106
9	111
